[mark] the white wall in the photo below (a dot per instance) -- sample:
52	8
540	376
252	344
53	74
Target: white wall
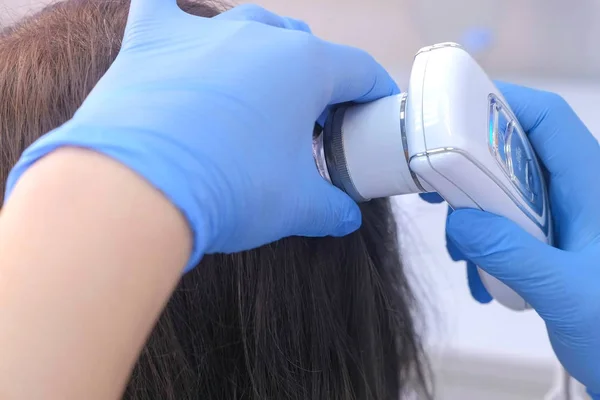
532	37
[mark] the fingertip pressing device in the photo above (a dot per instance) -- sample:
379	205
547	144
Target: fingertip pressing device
452	133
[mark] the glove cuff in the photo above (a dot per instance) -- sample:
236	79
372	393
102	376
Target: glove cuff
137	151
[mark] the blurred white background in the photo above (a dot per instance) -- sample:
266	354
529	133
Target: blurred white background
478	352
542	38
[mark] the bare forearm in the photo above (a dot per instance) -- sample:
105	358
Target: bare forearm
89	254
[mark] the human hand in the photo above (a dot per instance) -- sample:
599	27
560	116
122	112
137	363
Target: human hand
476	287
218	114
561	284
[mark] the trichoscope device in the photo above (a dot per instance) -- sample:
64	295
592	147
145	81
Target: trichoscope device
452	133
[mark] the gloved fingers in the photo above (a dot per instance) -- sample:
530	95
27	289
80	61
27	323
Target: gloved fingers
354	75
252	12
567	149
593	395
505	250
332	212
453	251
560	138
478	290
476	287
142	9
432	197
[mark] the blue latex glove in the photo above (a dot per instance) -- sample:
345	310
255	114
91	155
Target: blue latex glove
218	114
562	284
478	291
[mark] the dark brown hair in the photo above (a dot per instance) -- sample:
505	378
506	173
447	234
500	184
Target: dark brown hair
322	318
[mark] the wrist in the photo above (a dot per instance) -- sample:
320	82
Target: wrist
92	254
146	154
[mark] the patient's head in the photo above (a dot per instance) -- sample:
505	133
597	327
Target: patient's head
325	318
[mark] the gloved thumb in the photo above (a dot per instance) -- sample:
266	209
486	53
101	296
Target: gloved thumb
333	212
504	250
253	12
141	10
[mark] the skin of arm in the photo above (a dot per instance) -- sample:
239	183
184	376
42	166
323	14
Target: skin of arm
81	286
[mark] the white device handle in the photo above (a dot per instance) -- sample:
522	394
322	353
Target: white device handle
452	133
467	144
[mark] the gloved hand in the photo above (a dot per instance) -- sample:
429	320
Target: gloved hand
562	284
476	287
218	114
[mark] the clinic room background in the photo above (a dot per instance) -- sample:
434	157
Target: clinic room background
478	352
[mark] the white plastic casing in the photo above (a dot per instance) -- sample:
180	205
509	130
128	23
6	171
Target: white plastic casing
375	155
441	136
451	147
